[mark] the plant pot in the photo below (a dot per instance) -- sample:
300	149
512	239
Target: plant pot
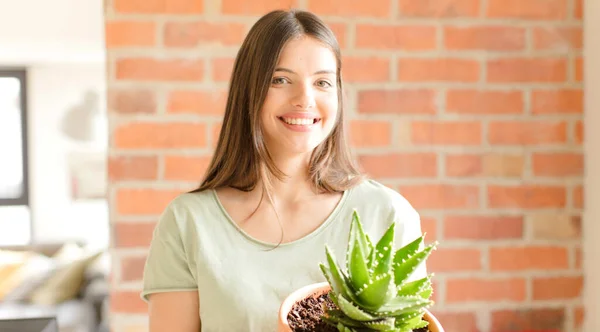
324	287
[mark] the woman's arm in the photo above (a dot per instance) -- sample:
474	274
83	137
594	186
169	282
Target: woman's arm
174	311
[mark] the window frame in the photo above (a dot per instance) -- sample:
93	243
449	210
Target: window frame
21	75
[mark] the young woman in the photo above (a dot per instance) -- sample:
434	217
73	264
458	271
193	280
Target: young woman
280	186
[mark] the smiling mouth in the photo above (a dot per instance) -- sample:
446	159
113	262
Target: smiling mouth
300	121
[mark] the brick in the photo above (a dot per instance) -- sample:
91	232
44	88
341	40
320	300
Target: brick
159	135
446	133
526	196
557	288
340	30
132	268
129	33
485	290
158	6
578	316
528	258
222	69
143	201
257	7
127	302
131	101
133	234
579	69
486	38
557	164
454	259
400	165
351	8
457	321
557	101
200	102
185	168
429	228
191	34
389	37
578	199
489	165
215	131
578	12
370	133
529	10
439	8
538	319
558	38
527	70
484	228
438	69
527	132
353	69
555	226
403	101
149	69
441	196
578	258
123	168
579	132
481	102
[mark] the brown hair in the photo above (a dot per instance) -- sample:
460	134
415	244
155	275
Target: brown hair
241	157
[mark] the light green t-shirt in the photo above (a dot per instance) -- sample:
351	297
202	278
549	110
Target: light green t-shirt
240	284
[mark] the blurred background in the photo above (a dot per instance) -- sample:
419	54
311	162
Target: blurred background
472	109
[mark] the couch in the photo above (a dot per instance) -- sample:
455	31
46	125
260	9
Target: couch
65	280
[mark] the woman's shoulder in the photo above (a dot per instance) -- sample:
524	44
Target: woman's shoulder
371	192
191	202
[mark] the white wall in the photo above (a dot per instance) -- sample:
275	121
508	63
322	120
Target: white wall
61	42
40	31
53	89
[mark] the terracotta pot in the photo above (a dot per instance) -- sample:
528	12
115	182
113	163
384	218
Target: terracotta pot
319	288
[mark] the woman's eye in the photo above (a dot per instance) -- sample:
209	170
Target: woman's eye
324	84
278	80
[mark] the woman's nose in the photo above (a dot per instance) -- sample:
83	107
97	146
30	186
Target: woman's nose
304	97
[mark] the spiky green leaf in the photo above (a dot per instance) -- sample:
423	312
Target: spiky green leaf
403	269
353	311
408	250
385	252
377	292
400	305
414	287
357	234
384	324
358	270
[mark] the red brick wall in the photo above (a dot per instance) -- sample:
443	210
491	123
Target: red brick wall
471	108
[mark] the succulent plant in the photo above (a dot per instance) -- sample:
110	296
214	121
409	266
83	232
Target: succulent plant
374	292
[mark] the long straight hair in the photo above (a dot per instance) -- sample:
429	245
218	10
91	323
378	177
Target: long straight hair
241	157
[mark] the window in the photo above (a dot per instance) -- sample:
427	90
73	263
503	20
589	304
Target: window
15	217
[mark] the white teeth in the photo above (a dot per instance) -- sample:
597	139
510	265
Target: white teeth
300	121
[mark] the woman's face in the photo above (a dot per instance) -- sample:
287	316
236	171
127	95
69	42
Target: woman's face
301	106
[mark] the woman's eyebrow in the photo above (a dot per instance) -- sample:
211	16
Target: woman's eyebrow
323	71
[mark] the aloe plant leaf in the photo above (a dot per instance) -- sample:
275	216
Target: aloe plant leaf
408	250
337	316
399	304
404	269
357	267
384	251
384	324
377	292
353	311
413	323
403	309
415	287
357	233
